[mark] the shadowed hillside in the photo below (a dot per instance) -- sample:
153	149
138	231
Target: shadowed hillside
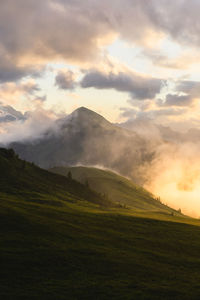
55	244
27	181
117	188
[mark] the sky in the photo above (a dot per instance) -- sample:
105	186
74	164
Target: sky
127	59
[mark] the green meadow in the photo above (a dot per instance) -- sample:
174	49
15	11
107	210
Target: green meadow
62	240
120	190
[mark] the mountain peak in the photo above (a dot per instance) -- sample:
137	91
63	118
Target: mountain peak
84	114
83	109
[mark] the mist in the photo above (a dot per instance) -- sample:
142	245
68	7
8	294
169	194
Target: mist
32	127
173	174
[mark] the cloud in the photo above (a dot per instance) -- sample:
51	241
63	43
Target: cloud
177	19
34	33
10	72
9	114
189	87
173	20
137	86
152	114
178	100
180	62
13	93
65	80
185	94
178	118
32	125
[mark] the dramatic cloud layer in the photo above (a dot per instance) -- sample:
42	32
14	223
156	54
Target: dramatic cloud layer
33	31
37	32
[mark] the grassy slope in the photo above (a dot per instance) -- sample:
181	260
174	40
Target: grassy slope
27	181
119	189
78	250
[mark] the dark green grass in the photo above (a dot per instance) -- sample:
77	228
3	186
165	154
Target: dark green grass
79	252
55	244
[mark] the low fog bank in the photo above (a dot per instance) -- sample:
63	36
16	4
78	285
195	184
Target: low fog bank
174	172
29	128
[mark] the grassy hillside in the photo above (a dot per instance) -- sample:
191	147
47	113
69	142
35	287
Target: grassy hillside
117	188
56	245
27	181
